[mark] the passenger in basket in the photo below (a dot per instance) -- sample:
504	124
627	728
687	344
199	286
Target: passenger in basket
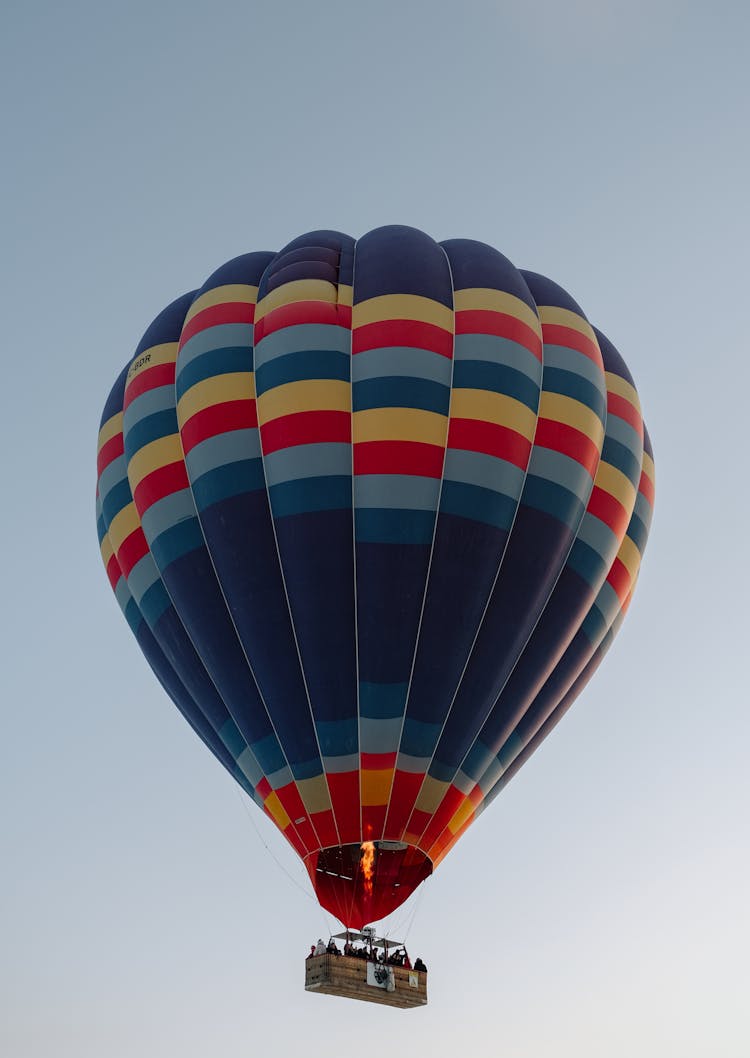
320	948
419	965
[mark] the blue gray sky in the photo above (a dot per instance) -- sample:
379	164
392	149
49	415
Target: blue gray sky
600	906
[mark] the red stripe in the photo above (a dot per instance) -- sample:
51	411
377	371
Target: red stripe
646	486
619	578
476	435
148	379
556	334
302	312
218	419
485	321
623	409
418	820
373	821
110	450
344	790
159	483
411	333
304	428
399	457
377	761
228	312
560	437
325	828
452	800
406	787
603	505
132	550
263	788
113	571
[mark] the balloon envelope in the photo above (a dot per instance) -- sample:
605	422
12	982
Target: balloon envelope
374	511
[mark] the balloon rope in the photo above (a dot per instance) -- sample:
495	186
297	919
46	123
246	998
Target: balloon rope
269	850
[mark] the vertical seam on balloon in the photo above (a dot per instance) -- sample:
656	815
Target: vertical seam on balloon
176	612
248	788
229	610
539	616
560	659
596	646
484	611
354	552
291	621
432	544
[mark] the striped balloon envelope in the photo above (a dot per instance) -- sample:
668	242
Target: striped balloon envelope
374	510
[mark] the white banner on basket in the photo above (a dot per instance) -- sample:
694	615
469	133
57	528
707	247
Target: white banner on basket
381	976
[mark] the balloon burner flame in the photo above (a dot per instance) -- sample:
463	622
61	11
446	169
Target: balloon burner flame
367	864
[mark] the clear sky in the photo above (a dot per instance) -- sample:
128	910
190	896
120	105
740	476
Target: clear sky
600	907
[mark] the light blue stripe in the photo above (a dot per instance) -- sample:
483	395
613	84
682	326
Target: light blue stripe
324	459
401	361
497	350
565	359
222	449
396	492
168	512
300	337
489	472
222	336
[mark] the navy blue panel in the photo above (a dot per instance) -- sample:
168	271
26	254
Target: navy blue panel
537	549
302	270
239	533
474	264
309	257
316	549
547	292
613	362
561	619
497	378
167	327
390	585
246	269
466	557
116	396
401	260
192	585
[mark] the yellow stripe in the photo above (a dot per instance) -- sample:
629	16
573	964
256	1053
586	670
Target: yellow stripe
486	406
109	430
297	290
559	408
314	794
224	295
462	815
400	424
106	550
275	807
431	794
346	293
402	307
166	353
617	384
122	525
235	385
565	318
613	481
153	456
630	557
486	299
312	394
375	786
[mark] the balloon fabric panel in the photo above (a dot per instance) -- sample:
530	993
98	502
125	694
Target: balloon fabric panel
374	511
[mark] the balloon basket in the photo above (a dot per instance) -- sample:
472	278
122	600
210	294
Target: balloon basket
367	979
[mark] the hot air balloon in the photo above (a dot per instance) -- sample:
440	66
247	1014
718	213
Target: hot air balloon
374	510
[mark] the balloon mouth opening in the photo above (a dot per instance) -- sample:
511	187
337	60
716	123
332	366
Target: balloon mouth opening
363	883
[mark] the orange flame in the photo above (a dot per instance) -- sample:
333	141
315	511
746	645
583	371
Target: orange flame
368	864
